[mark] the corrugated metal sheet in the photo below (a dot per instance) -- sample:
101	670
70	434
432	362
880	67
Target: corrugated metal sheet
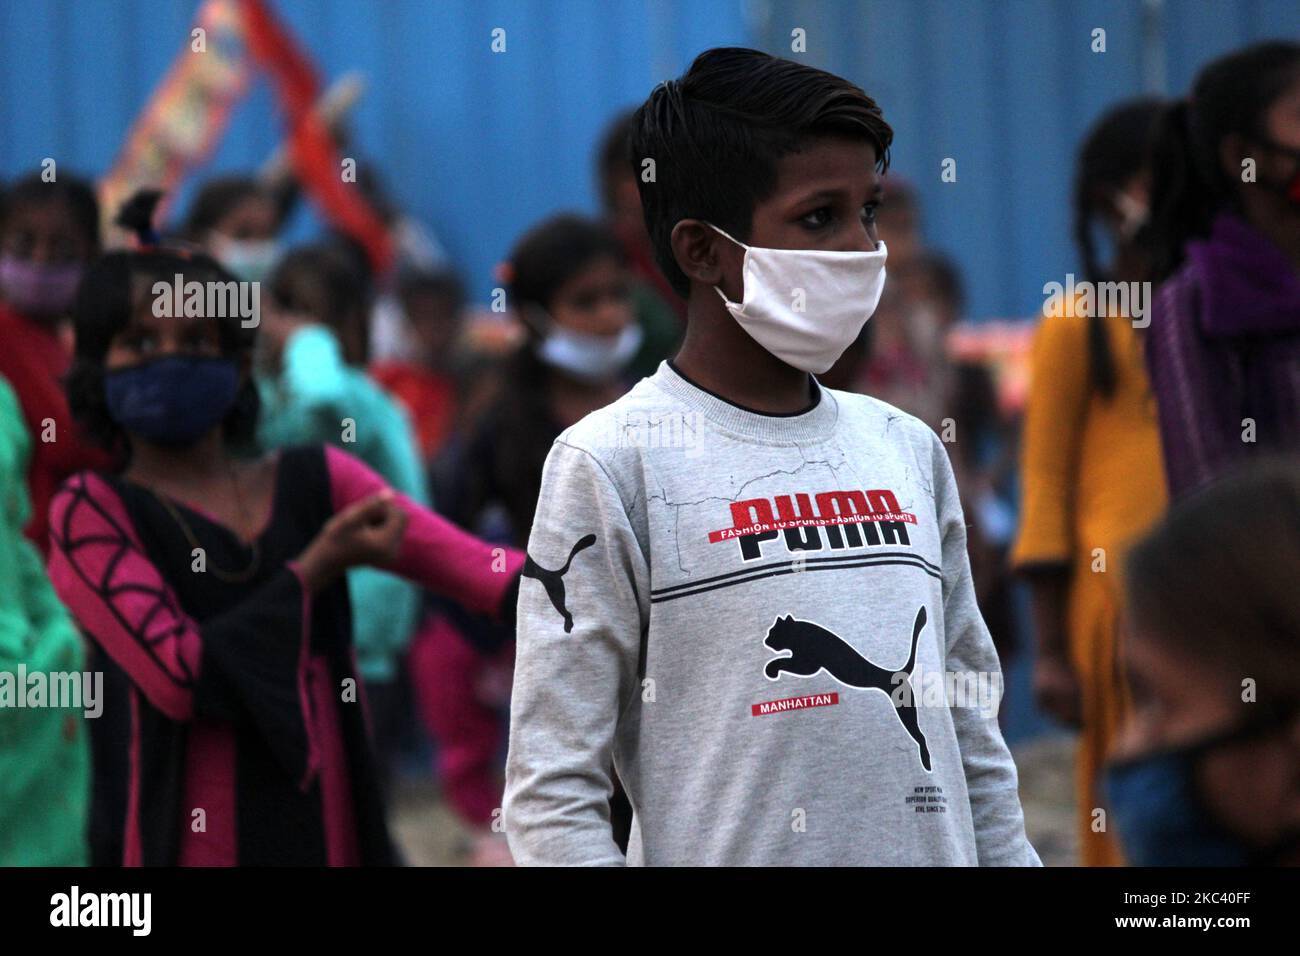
482	144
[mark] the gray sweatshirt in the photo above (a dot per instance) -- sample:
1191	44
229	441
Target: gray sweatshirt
766	625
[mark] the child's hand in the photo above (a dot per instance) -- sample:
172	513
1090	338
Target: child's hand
1056	689
367	532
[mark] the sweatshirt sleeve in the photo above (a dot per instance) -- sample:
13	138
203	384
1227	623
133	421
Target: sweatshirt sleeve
990	772
580	624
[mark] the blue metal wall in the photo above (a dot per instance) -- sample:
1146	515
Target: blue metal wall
482	145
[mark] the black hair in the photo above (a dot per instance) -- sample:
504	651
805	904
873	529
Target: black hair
716	134
330	267
104	305
552	253
1190	187
443	283
1188	586
77	195
327	265
614	156
1116	148
214	201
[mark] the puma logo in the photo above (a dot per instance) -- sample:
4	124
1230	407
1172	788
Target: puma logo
553	581
813	648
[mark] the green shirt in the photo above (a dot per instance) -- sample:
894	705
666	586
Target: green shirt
44	751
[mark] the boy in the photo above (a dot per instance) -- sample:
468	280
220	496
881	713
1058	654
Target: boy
730	562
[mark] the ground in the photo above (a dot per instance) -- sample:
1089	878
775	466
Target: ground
430	834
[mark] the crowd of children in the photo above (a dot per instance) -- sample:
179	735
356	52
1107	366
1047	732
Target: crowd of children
660	532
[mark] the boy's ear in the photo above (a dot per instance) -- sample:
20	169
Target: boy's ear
704	255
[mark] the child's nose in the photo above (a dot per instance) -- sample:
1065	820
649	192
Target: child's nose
859	239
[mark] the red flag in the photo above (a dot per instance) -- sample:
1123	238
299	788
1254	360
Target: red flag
311	147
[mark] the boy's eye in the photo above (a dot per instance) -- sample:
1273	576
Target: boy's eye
818	218
869	212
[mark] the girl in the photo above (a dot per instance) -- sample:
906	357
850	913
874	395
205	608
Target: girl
49	233
433	307
1091	468
1207	769
236	219
570	288
214	584
1225	328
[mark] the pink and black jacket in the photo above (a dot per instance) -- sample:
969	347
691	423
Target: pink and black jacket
234	731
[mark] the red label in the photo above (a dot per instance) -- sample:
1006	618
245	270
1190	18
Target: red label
794	703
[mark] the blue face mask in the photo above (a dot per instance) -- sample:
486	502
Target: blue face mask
1162	820
174	400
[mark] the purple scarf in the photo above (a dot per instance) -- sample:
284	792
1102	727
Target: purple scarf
1224	347
1248	285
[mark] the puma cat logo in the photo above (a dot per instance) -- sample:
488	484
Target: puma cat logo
553	581
813	648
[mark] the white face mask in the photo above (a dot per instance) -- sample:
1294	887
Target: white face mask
592	358
806	306
250	260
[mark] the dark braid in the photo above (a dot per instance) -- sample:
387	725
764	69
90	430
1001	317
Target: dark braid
1114	151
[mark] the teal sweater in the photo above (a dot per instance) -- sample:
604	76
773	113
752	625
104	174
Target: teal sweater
318	397
44	751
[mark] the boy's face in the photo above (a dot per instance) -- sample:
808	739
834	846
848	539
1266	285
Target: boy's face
826	198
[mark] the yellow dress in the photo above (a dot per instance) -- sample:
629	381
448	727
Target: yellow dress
1093	478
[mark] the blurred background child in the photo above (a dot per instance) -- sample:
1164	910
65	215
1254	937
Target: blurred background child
570	288
1091	467
1207	766
1224	346
237	219
433	305
49	233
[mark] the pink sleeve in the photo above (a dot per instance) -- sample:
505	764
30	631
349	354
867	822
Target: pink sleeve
435	553
101	572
